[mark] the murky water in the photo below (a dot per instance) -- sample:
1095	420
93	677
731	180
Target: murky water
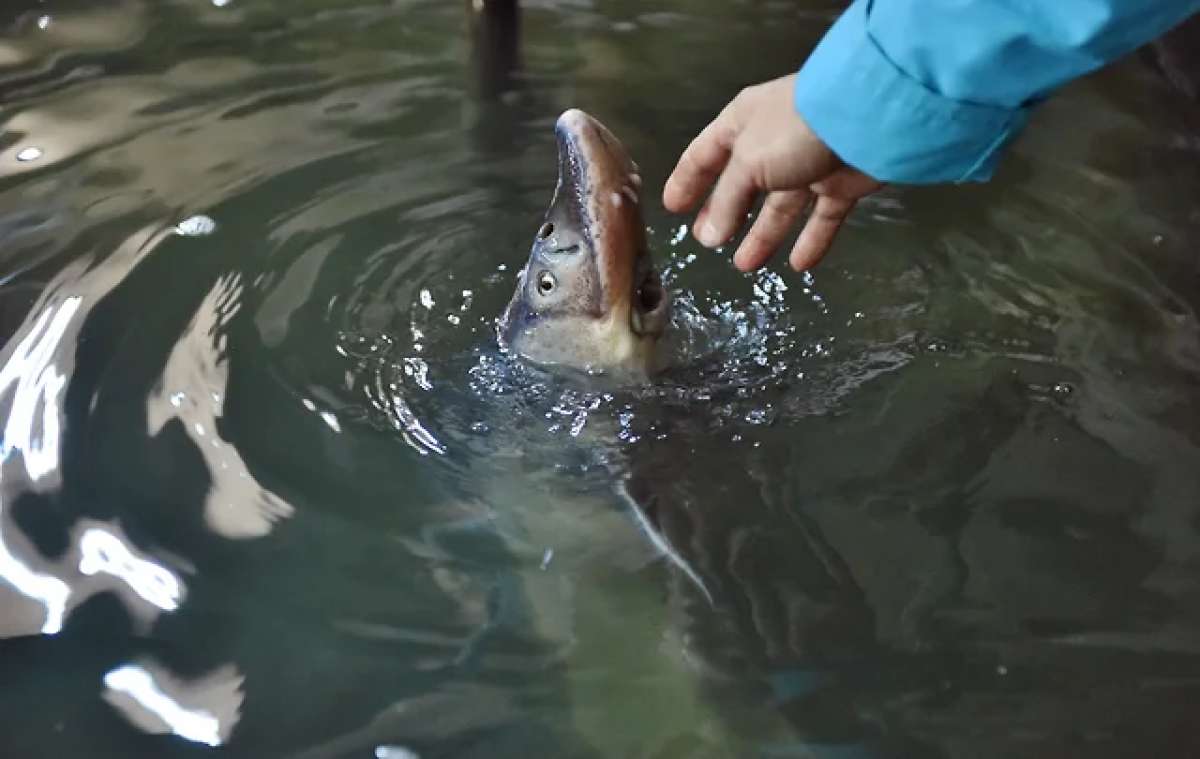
269	489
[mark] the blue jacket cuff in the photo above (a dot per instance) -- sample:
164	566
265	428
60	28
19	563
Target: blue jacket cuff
888	125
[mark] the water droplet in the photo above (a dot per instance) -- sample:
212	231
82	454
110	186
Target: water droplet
426	298
29	154
453	319
1002	670
547	557
419	371
760	416
43	22
1063	389
196	226
221	3
480	428
1158	239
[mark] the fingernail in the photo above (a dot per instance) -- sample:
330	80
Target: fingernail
708	235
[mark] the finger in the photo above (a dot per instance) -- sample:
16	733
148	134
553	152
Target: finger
847	183
702	216
820	229
701	220
776	218
727	207
699	166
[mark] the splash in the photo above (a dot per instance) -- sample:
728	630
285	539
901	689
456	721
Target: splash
741	359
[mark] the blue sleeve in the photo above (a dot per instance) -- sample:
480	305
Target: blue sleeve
922	91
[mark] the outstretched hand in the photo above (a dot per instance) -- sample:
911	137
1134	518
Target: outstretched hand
758	144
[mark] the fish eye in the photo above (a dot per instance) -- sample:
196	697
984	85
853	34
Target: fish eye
545	283
546	230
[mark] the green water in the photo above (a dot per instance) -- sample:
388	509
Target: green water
268	490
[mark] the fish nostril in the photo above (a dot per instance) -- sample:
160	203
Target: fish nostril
650	295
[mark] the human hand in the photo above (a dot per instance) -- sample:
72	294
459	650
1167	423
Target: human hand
759	143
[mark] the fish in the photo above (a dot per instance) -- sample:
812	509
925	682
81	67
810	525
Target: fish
756	587
589	297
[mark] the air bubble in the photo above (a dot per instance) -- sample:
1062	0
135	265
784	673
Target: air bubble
196	226
29	154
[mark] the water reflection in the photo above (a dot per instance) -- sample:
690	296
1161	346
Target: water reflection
495	45
102	552
190	393
203	710
37	366
101	561
45	589
30	370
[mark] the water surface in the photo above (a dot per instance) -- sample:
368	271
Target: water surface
268	487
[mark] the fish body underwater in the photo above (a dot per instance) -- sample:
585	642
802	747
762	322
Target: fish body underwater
754	595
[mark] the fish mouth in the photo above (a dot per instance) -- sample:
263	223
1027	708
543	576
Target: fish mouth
602	189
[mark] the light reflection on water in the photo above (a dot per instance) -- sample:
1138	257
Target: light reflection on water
30	373
203	711
268	485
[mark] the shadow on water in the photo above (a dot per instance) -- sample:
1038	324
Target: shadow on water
269	489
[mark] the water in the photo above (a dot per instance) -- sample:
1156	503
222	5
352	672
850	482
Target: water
269	489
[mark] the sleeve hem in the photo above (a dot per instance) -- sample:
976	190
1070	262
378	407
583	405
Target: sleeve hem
888	125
